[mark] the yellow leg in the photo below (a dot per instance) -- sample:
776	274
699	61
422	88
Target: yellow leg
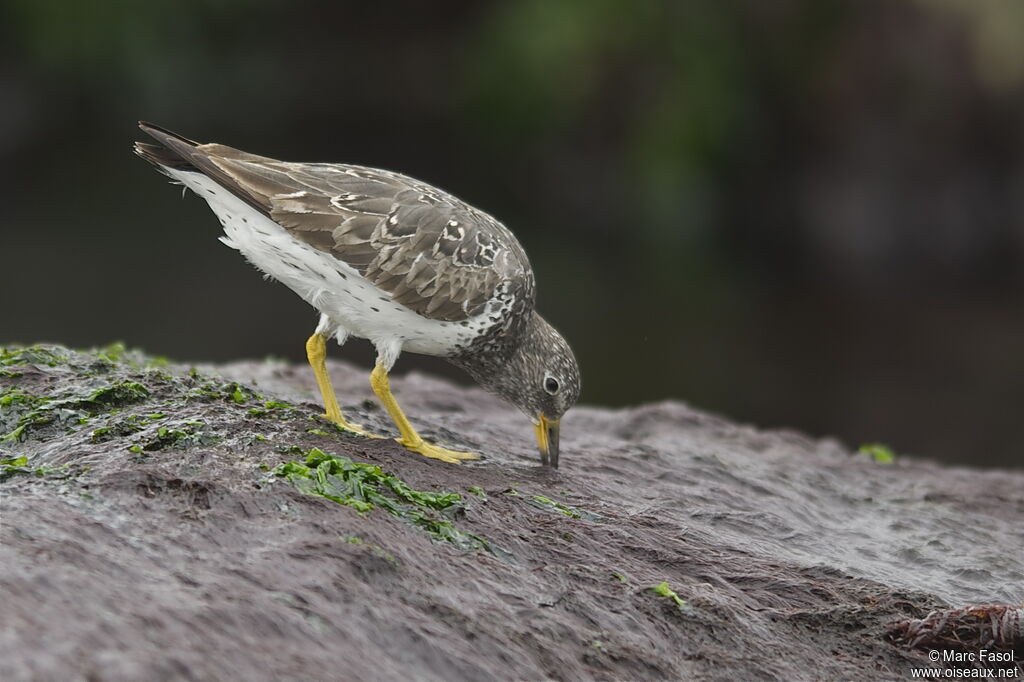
409	438
316	351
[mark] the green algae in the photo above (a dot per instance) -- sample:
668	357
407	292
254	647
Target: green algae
32	412
106	402
125	426
113	353
365	486
118	354
882	454
663	590
30	355
548	503
478	491
273	409
117	395
17	398
376	549
104	358
185	432
210	389
12	466
236	393
181	432
21	412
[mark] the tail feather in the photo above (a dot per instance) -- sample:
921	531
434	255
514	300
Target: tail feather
172	152
178	153
162	157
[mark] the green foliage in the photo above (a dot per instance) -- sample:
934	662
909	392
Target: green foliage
365	486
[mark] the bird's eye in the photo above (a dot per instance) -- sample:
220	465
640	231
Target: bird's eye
551	385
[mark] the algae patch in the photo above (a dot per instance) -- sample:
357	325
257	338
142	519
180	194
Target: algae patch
274	409
365	486
116	395
126	426
546	503
32	355
28	412
376	549
184	432
19	465
663	590
882	454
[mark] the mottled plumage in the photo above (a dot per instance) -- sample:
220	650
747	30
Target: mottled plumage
411	245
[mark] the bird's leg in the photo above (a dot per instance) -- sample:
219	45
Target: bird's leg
316	352
409	438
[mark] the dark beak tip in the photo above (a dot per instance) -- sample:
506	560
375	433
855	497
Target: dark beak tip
553	444
547	438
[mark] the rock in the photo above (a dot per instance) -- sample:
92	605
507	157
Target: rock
150	532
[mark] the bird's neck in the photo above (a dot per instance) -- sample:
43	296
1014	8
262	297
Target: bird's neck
488	362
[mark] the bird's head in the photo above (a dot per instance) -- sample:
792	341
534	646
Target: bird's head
542	379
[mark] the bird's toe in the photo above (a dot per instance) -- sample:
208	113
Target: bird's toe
437	452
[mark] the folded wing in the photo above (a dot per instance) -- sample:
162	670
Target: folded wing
432	252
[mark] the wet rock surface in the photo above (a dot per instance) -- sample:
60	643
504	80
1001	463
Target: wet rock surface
145	535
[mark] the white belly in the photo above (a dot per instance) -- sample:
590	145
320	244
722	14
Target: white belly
331	286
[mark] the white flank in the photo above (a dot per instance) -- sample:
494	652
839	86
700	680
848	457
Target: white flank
353	305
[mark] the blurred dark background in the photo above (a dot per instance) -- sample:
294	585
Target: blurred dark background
804	213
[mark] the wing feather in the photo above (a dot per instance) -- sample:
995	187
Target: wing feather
430	251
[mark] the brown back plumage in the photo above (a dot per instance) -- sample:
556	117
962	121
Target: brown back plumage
432	252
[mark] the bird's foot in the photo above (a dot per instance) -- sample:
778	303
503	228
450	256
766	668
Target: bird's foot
346	425
426	449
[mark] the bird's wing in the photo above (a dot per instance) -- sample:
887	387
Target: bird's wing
432	252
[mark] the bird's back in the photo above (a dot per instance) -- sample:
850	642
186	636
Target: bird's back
432	252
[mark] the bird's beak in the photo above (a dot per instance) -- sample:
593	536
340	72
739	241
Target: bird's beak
547	440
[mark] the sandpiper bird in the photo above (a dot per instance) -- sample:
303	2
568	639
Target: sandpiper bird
387	258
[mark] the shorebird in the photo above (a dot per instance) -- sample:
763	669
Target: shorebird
388	258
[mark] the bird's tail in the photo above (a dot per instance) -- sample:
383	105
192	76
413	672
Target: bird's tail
173	150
